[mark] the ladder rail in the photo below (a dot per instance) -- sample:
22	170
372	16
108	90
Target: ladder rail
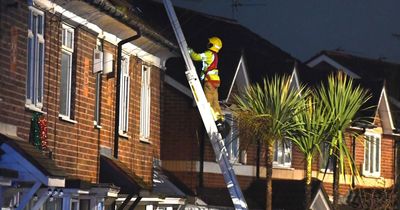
206	114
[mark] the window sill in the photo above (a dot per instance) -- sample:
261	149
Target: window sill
145	141
282	167
124	135
327	171
234	163
97	125
67	119
32	107
372	176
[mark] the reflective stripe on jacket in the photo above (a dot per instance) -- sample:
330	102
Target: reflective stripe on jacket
209	59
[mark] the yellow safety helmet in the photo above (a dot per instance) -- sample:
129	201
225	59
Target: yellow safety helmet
215	44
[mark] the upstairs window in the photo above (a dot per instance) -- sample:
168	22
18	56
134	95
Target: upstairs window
232	139
372	155
283	153
97	69
145	96
34	83
66	71
124	96
325	161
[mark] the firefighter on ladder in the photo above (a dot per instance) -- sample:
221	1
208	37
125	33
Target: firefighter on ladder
209	75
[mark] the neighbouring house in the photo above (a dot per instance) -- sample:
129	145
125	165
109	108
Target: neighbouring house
375	152
186	153
246	59
80	108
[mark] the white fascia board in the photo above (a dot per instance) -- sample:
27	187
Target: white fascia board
386	109
333	63
294	78
169	80
28	170
56	182
234	78
322	197
19	161
130	48
173	201
241	66
5	181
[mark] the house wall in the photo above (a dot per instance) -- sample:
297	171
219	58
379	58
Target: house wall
186	163
75	146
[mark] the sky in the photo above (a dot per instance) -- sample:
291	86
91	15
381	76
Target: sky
305	27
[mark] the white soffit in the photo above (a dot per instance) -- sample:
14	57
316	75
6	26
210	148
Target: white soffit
330	61
116	31
385	114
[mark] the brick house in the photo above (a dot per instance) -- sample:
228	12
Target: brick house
186	152
376	162
61	64
246	59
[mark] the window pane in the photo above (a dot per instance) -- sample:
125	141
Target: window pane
63	37
366	154
288	152
40	73
84	204
377	144
30	20
69	39
98	99
34	24
276	151
40	24
74	205
126	104
29	84
65	84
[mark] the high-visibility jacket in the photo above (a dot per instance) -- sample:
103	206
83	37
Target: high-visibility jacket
209	71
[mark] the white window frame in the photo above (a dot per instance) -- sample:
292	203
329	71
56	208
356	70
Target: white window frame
372	146
74	201
145	103
281	148
69	50
35	60
124	96
232	139
97	106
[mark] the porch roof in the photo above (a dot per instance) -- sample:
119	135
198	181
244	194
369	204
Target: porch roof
114	171
30	163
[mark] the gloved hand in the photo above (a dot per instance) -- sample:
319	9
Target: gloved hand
202	75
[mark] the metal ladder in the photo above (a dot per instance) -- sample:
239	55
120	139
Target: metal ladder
206	114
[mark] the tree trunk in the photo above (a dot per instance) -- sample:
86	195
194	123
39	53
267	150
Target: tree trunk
269	160
308	182
335	182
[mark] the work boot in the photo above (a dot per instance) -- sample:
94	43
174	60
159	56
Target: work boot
220	125
223	128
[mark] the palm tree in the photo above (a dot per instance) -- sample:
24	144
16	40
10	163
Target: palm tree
342	100
266	112
317	126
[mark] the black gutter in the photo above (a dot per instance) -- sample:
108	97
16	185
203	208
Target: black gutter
133	22
117	88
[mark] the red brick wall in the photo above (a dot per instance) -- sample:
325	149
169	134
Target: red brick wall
13	31
182	128
75	146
